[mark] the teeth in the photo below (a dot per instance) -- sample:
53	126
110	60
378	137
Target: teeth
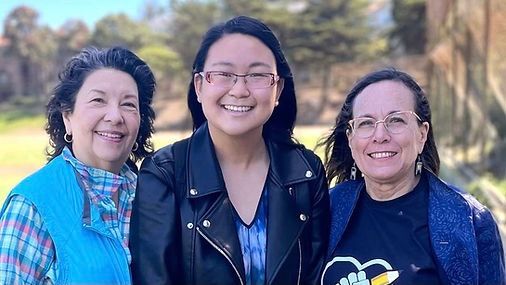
110	135
382	154
234	108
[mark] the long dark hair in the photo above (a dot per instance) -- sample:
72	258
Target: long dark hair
282	120
71	79
338	159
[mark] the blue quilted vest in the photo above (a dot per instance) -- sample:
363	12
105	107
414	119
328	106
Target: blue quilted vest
86	251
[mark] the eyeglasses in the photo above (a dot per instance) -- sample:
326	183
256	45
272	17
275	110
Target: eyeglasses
395	123
252	80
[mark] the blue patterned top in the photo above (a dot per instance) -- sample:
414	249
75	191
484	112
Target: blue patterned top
464	236
253	240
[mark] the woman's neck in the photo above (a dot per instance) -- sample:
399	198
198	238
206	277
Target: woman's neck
241	151
381	191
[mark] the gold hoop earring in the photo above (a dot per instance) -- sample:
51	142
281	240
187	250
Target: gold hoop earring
66	137
136	147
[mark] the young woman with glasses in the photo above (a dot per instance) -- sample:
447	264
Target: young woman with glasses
239	202
392	218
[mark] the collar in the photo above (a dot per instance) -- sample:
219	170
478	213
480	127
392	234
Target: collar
101	182
288	165
98	186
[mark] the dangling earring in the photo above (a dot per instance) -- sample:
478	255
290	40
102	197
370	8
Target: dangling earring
276	103
353	172
67	137
418	166
136	146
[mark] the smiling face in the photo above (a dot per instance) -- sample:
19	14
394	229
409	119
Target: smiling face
105	120
237	110
385	157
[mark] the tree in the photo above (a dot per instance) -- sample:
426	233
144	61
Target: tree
120	30
32	46
409	33
73	36
165	64
190	20
326	32
162	60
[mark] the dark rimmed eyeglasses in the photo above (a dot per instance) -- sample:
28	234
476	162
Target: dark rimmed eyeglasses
256	80
395	123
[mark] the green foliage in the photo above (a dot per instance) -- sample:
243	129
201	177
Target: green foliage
163	60
409	32
190	20
19	27
119	29
474	189
32	46
253	8
500	184
27	39
338	30
316	32
73	36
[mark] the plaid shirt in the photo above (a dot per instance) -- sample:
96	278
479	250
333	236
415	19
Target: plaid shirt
27	253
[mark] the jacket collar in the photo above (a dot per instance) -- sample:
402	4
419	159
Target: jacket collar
205	176
204	173
341	209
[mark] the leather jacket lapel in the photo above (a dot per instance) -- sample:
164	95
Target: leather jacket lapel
218	226
207	187
285	225
204	173
286	219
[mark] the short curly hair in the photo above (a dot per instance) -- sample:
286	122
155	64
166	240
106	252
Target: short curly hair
71	79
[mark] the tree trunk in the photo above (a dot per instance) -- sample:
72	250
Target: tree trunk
327	82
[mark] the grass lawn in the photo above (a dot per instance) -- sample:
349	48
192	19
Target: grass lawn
23	151
23	148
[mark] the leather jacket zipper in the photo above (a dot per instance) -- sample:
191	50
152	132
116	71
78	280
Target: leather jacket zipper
223	253
300	262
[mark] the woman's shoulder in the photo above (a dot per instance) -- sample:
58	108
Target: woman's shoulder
309	154
453	195
168	153
346	188
53	176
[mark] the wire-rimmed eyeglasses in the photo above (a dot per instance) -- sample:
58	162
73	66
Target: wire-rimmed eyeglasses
256	80
395	123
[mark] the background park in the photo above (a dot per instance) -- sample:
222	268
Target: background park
455	49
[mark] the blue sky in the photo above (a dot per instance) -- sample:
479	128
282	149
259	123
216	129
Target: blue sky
55	12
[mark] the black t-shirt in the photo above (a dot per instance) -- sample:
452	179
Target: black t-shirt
386	242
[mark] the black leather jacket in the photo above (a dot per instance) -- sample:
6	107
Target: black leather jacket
183	229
